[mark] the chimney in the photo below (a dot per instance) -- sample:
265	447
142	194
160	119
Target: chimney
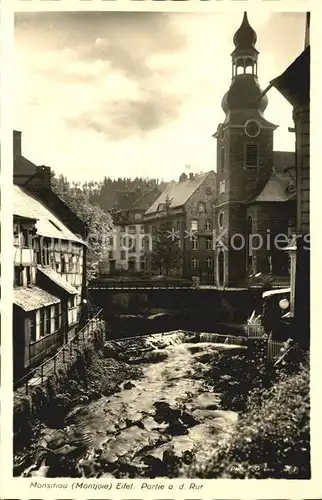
191	176
44	176
183	177
40	181
16	143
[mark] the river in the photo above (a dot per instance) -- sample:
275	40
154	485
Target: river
153	426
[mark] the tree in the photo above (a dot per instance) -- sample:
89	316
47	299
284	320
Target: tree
99	223
166	254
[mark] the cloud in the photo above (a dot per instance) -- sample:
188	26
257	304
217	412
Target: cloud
111	53
141	89
119	119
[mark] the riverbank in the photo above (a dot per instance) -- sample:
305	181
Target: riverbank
45	409
165	409
176	405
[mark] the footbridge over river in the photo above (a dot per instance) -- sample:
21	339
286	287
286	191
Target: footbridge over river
138	295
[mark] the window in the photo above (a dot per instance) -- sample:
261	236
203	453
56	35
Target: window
25	238
222	186
33	327
251	155
209	243
72	302
123	255
160	207
195	262
132	248
195	243
62	264
110	254
122	229
142	229
208	225
18	276
194	226
16	235
201	208
42	322
28	275
48	320
209	262
222	159
132	229
137	216
56	317
249	241
221	220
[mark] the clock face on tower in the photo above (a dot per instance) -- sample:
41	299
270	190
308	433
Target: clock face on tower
252	128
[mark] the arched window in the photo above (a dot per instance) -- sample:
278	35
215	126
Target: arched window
221	220
221	268
222	159
249	245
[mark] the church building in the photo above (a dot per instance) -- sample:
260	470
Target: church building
256	191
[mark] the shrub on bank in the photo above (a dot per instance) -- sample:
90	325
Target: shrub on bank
272	438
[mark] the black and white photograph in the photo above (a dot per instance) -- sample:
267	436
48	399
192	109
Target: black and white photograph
161	246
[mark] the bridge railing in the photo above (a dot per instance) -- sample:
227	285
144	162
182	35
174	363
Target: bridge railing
139	285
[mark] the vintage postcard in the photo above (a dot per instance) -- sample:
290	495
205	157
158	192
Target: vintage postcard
157	335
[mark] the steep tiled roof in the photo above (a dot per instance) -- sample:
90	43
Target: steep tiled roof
276	189
57	279
32	297
146	199
178	192
25	205
283	159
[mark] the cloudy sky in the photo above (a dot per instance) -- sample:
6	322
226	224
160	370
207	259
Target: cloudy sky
138	94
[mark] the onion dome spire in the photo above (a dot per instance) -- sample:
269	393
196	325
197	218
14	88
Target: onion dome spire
245	37
244	57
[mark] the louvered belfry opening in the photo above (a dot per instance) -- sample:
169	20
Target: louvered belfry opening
251	155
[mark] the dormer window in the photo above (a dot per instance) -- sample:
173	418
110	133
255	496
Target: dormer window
160	207
54	224
251	155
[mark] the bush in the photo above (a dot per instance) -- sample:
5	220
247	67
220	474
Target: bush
272	439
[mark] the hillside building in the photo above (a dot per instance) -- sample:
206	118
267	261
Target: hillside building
49	258
188	208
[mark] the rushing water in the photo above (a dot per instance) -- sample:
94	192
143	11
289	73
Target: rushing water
169	407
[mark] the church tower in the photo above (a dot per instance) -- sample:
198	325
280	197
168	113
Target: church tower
244	158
